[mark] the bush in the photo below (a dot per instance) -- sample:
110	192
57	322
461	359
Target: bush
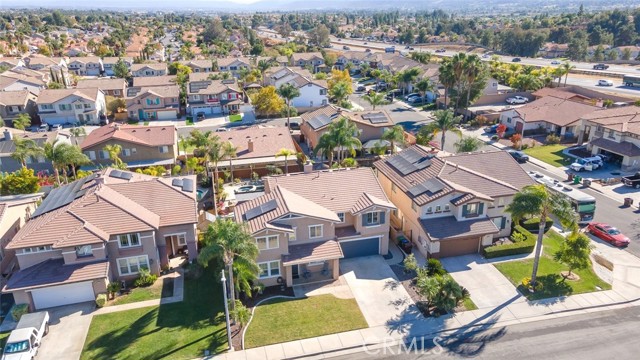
533	224
410	263
518	237
524	146
495	138
434	267
552	139
521	247
114	287
145	278
101	299
176	170
18	311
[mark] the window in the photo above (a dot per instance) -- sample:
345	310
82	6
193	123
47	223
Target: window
103	154
116	92
64	107
163	149
129	240
90	154
316	263
500	222
470	210
196	97
268	242
429	210
78	106
40	159
447	208
414	206
132	265
182	239
36	249
126	152
269	269
373	218
500	202
83	251
341	216
46	107
87	106
612	134
294	235
323	91
315	231
599	128
509	120
438	208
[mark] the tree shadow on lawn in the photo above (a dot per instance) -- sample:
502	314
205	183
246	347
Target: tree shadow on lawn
553	286
217	337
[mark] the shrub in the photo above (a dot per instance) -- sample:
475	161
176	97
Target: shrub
145	278
552	139
410	263
434	267
518	237
114	287
495	138
533	224
526	283
522	247
524	146
176	170
101	299
19	310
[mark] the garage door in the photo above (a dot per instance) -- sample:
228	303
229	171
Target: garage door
63	295
360	247
166	115
457	247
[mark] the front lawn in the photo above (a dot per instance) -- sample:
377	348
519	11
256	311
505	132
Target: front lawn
281	320
182	330
549	276
154	291
551	154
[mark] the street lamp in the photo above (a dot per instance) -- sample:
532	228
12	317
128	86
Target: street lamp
226	309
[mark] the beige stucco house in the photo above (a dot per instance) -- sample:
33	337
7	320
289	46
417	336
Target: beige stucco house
14	212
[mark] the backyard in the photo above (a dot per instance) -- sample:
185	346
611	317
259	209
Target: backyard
182	330
281	320
551	154
553	284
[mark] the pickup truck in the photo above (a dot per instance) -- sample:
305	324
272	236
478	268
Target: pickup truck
600	67
23	342
633	181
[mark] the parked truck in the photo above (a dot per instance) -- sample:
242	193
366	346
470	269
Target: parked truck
600	67
23	342
633	181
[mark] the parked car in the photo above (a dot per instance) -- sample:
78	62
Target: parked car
345	47
603	82
294	125
633	180
608	233
604	157
200	116
365	43
25	340
588	164
222	129
411	95
516	59
555	62
415	100
519	156
393	94
491	129
517	100
361	88
367	50
485	56
380	87
441	50
600	67
404	244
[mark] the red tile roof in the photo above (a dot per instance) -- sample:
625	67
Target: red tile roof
142	135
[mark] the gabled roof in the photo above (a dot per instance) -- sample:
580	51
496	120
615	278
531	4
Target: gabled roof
54	272
151	66
150	81
306	56
49	96
267	141
554	110
230	60
20	97
142	135
213	86
166	91
103	84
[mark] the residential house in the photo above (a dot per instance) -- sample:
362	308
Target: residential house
71	106
199	66
11	62
355	58
109	62
142	146
110	87
313	93
614	132
102	228
233	65
312	60
213	97
86	66
153	69
153	103
453	205
11	81
15	210
151	81
306	222
204	76
14	103
38	164
55	66
553	50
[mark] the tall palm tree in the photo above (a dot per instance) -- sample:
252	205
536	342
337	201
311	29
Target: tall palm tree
474	70
326	146
375	99
200	141
445	122
288	92
25	148
77	132
339	91
62	155
446	78
423	86
232	243
538	201
393	136
424	135
346	134
114	154
566	68
229	152
263	66
407	77
286	153
22	122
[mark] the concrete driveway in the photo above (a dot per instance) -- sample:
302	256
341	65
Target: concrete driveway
68	329
381	297
487	286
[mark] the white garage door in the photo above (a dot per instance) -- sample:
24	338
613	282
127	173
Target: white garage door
63	295
166	115
205	110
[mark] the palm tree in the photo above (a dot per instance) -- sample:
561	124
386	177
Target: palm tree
263	66
365	68
229	152
445	122
191	164
375	99
566	69
446	78
468	144
339	91
424	135
393	136
538	201
474	70
22	122
62	155
345	132
77	132
286	153
423	86
25	148
200	140
288	92
407	77
114	154
232	243
326	146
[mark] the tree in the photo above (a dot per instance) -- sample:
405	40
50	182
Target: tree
229	152
566	68
345	133
114	154
120	69
55	85
578	46
626	54
500	130
339	76
240	314
468	144
574	252
394	136
326	146
22	181
445	122
288	92
116	104
22	122
340	91
231	243
446	78
538	201
425	135
516	140
423	86
62	155
214	31
407	77
421	57
263	66
319	36
375	99
25	148
286	153
267	102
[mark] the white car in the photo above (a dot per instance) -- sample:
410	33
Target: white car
605	83
555	62
517	100
588	164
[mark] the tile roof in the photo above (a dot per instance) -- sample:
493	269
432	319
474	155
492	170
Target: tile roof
150	81
624	119
151	135
317	251
554	110
622	148
306	56
213	86
198	63
230	60
365	118
8	147
153	66
509	171
55	272
445	228
267	141
165	91
19	97
103	84
48	96
562	93
114	59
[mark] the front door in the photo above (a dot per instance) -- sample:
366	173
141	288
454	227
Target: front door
294	272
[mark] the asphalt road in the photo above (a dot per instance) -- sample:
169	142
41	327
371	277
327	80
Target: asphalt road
612	334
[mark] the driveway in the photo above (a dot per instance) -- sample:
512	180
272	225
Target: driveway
381	297
487	286
68	329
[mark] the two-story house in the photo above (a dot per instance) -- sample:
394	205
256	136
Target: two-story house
109	62
313	93
14	103
355	58
15	210
153	103
199	66
14	81
102	228
212	97
11	62
151	81
306	222
110	87
312	60
142	146
39	164
86	66
453	205
233	65
152	69
71	106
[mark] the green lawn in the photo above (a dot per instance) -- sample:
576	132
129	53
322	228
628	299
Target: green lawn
283	320
469	304
551	154
3	339
173	331
549	273
141	294
235	117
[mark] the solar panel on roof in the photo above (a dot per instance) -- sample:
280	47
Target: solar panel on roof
127	175
260	210
115	173
177	182
63	196
409	161
431	185
319	121
187	185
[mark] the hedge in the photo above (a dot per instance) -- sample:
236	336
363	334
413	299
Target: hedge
523	247
533	224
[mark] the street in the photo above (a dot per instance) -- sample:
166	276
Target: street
611	334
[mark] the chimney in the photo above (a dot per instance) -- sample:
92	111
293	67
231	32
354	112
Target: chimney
117	126
250	145
308	167
8	135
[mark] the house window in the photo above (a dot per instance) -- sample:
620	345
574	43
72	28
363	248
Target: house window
612	134
447	208
429	210
315	231
341	216
132	265
64	107
509	120
87	106
36	249
323	91
163	149
599	128
316	263
196	97
500	222
438	208
269	269
128	240
293	236
414	206
79	106
373	218
500	202
268	242
103	154
83	251
474	209
90	154
116	92
126	152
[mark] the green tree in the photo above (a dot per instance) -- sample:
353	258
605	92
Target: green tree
120	69
425	135
445	122
288	92
375	99
468	144
423	86
22	122
340	91
407	77
394	136
345	133
229	152
286	153
538	201
626	54
326	146
446	77
199	140
114	154
263	66
25	149
22	181
566	69
62	155
574	252
55	85
116	104
240	314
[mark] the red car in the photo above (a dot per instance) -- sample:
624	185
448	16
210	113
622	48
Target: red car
608	233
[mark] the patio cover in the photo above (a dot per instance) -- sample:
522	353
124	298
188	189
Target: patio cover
318	251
